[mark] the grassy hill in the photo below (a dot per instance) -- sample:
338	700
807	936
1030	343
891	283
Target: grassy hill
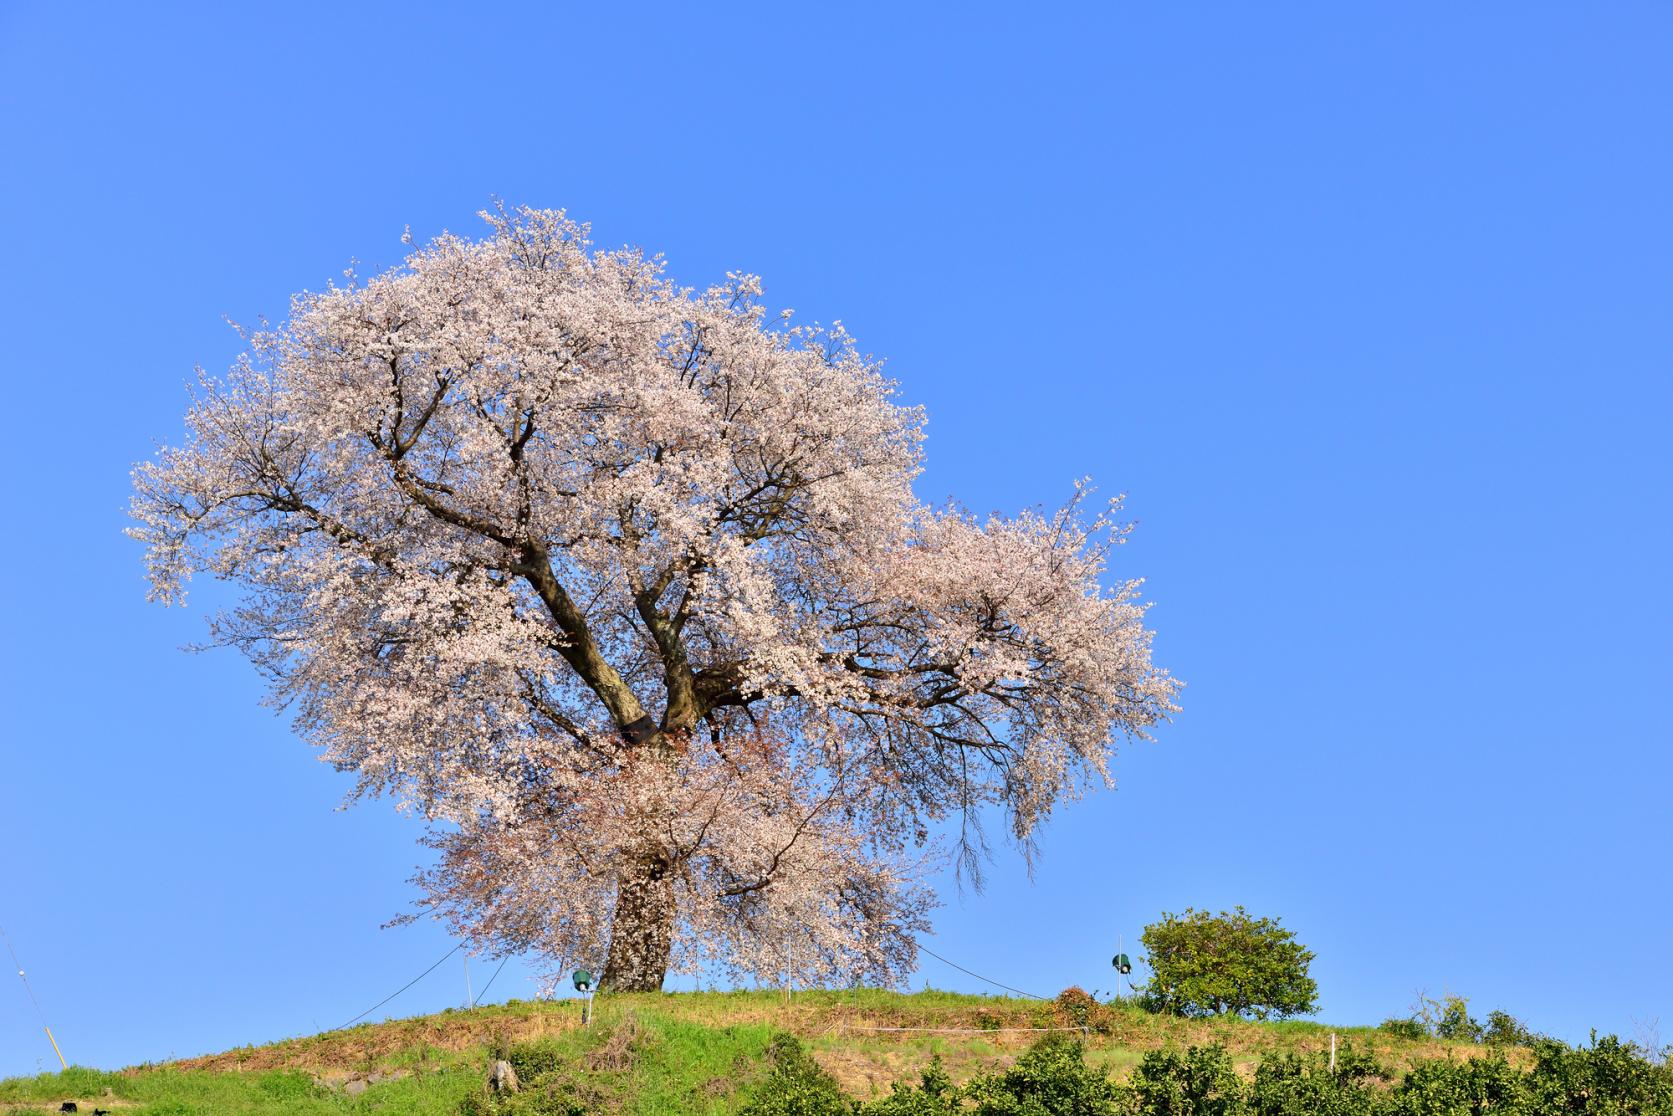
679	1053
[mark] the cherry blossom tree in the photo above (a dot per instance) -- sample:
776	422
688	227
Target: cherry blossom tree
623	586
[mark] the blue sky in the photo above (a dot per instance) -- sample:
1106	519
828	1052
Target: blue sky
1366	307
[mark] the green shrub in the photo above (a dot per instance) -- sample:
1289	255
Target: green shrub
1078	1008
1464	1088
1200	1082
1449	1018
1292	1085
1607	1078
1227	964
1453	1021
934	1096
533	1059
1504	1029
546	1100
796	1086
1050	1079
1404	1028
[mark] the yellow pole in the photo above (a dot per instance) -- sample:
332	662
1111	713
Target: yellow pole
55	1049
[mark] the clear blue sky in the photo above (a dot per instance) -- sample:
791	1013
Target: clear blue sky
1369	308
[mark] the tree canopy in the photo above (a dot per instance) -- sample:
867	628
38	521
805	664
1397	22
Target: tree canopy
1229	963
624	587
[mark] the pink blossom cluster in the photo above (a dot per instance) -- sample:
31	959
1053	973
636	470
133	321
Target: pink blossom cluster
624	587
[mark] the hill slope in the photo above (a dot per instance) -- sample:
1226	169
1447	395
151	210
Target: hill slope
673	1053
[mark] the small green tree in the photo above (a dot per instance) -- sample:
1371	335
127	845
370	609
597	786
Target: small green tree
1199	1082
1227	964
1446	1018
1469	1087
1608	1078
1455	1022
1288	1084
1504	1029
796	1085
1050	1079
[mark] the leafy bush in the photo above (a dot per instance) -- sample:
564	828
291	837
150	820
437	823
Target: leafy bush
1227	964
1449	1018
1077	1008
1608	1078
1200	1082
934	1096
1051	1079
1408	1028
532	1059
796	1086
1292	1085
1466	1088
1453	1021
1504	1029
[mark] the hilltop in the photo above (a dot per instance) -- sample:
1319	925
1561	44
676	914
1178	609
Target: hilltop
701	1052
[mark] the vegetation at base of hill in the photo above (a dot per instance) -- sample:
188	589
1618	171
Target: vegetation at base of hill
166	1091
1606	1078
714	1053
1230	963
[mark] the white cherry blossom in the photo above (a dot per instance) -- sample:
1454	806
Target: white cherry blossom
624	587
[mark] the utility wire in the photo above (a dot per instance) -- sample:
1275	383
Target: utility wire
38	1012
399	990
491	979
485	987
19	966
978	976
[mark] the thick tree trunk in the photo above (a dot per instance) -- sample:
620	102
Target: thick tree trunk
642	930
642	927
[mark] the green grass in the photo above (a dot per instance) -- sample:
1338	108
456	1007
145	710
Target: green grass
691	1053
171	1092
